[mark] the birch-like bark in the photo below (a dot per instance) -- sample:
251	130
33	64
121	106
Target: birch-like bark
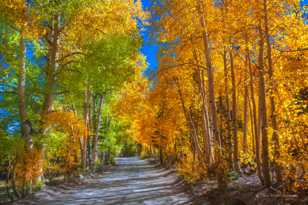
205	116
25	127
97	126
86	115
210	73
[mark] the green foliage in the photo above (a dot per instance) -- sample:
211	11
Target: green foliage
97	50
11	147
115	138
233	175
66	8
111	60
110	142
54	143
5	150
22	163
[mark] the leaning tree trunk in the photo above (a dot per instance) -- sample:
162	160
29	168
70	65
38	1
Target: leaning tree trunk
205	118
189	120
193	133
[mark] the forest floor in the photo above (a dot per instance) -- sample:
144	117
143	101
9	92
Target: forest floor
131	182
246	190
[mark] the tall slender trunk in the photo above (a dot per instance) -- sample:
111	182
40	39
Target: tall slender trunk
262	112
234	114
52	64
195	133
252	130
206	124
225	11
254	115
245	146
210	73
189	120
97	127
275	136
211	92
205	117
86	114
25	128
226	90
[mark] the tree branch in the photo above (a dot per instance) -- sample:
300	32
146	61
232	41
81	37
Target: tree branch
296	50
70	55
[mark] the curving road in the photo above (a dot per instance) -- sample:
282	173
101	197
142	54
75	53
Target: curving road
132	182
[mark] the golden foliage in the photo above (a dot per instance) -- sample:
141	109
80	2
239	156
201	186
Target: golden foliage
67	122
75	129
28	166
168	112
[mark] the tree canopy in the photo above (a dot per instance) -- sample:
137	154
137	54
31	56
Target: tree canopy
229	97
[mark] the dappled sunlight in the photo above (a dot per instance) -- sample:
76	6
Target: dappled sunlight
153	102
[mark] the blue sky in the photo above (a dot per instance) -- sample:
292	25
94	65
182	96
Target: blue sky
149	48
305	10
